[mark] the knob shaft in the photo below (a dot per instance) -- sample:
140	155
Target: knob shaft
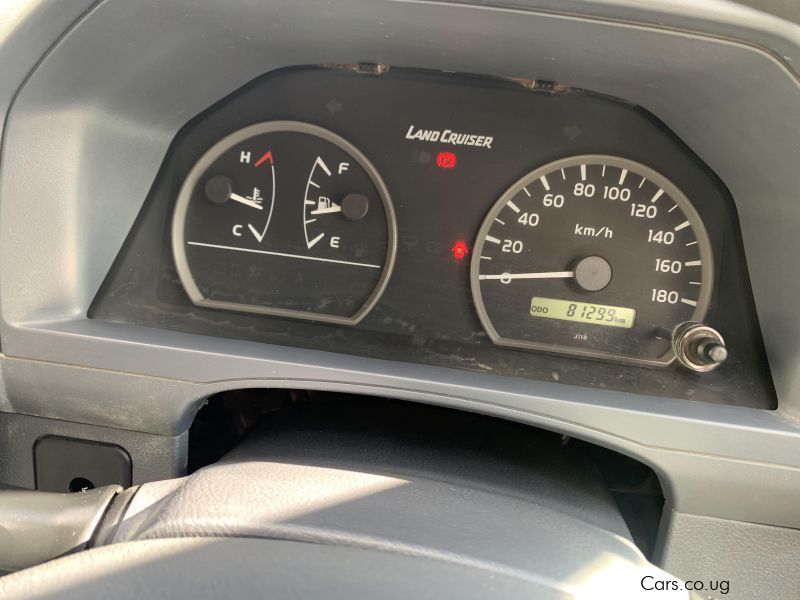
698	347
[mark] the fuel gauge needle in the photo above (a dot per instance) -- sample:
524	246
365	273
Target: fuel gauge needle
245	201
544	275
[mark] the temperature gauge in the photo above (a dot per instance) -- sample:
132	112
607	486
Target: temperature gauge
287	219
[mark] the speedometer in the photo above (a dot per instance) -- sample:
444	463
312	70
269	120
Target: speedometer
596	256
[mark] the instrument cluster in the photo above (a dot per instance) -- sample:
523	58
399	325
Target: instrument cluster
535	231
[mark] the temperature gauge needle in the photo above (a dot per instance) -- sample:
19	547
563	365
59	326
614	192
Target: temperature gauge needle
245	201
545	275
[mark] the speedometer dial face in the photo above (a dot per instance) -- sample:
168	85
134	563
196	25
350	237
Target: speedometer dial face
288	219
596	256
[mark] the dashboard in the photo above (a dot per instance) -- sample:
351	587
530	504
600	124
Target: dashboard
578	215
521	228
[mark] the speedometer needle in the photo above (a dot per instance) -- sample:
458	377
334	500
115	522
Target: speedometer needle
545	275
245	201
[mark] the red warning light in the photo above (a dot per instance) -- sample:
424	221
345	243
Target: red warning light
459	250
445	160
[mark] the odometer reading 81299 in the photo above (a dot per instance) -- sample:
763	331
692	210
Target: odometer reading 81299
596	256
583	312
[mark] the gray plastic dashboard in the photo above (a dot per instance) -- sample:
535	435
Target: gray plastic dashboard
94	106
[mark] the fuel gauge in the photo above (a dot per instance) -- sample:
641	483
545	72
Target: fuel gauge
332	212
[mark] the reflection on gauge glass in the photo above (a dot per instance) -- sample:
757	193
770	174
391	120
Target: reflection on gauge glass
287	219
596	256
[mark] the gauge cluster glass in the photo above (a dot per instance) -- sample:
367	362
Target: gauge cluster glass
596	256
288	219
360	217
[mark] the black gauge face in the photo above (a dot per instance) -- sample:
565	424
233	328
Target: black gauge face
287	219
595	256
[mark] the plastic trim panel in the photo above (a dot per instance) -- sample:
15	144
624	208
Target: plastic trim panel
82	146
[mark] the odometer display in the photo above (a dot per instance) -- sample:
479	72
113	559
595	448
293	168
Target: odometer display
583	312
597	256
